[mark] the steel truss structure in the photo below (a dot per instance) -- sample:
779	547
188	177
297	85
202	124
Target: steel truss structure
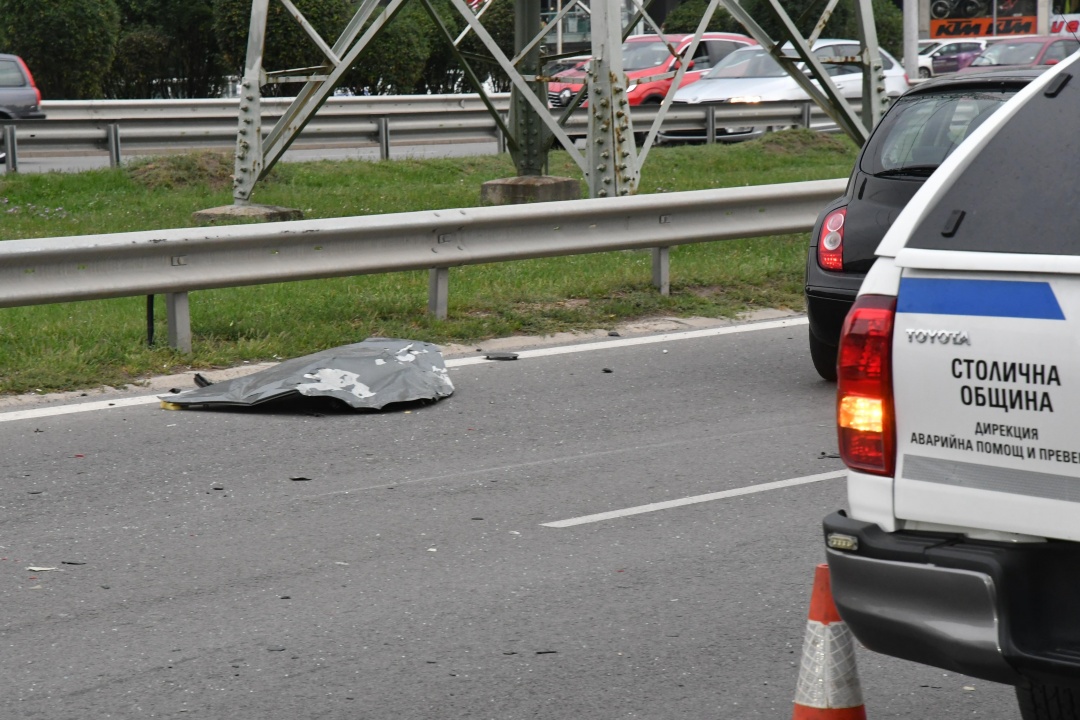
612	159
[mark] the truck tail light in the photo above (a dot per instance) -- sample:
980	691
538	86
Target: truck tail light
864	406
830	247
30	78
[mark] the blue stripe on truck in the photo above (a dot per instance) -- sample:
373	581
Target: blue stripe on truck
987	298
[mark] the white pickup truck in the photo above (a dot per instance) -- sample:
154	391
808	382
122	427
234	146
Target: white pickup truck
958	413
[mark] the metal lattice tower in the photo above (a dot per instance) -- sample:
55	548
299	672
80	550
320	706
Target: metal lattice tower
612	160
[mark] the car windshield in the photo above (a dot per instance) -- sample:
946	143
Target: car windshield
922	129
747	63
927	49
644	55
1008	53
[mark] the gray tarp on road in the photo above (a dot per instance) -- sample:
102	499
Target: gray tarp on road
368	374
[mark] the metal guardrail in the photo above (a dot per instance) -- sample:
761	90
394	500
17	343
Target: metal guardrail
177	261
150	126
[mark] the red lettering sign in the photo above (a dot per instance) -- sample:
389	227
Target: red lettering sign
984	27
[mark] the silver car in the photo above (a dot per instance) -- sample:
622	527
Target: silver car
19	97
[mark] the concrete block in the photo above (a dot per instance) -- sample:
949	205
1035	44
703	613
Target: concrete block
529	189
262	213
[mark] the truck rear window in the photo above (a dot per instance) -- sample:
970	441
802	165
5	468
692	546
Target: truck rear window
1018	195
924	128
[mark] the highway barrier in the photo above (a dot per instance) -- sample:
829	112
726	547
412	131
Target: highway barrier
175	262
141	127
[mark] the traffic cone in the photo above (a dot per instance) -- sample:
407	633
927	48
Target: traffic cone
828	686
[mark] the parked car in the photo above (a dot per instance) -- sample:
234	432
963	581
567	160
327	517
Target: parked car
914	136
947	57
752	75
1031	51
646	56
19	97
957	410
558	67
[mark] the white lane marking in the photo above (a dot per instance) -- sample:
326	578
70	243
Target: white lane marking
81	407
451	363
653	507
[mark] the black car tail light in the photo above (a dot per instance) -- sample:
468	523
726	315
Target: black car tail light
864	400
830	248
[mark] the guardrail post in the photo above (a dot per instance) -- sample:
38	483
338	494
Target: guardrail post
661	269
438	292
149	321
11	148
113	135
179	317
806	110
384	138
500	135
710	124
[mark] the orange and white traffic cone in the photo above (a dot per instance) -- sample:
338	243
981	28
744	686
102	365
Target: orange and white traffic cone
828	686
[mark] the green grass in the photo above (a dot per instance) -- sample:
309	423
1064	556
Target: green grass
79	345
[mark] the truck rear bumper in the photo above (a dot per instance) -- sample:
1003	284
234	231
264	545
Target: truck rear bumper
996	611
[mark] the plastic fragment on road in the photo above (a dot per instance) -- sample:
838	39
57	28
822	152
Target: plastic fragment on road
42	569
365	375
501	356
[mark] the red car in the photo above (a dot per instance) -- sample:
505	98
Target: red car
645	56
1022	52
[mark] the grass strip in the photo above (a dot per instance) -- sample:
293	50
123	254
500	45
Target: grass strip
70	346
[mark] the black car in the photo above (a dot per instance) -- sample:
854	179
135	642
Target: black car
914	136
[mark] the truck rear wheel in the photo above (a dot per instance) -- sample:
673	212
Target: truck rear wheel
1039	701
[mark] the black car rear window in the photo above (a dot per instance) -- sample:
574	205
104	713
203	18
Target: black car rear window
921	130
1018	194
10	74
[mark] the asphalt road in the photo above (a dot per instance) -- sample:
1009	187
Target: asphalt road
414	572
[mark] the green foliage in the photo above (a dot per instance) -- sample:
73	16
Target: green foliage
498	20
68	44
394	61
167	49
685	19
889	22
442	73
140	63
287	46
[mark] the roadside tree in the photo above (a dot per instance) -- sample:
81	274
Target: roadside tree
167	48
287	45
68	44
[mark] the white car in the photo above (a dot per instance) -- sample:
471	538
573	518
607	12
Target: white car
938	57
957	415
752	75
